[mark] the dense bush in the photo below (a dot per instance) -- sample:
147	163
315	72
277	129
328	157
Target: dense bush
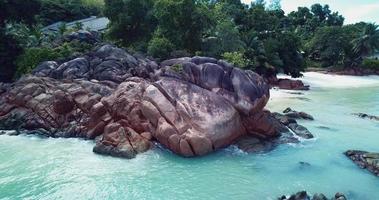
67	10
9	50
32	57
236	58
371	64
160	47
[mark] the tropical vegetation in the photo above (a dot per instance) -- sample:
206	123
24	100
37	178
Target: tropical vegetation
259	36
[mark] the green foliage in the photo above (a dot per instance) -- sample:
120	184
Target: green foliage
32	57
177	68
225	38
26	36
160	47
9	50
10	47
330	46
132	22
236	58
182	22
283	53
368	41
19	11
67	10
372	64
258	37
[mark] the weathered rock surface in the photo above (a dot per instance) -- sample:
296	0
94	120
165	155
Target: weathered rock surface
287	84
192	106
107	63
365	160
288	120
304	196
297	115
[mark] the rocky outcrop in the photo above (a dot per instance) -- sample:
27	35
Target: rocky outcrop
107	63
304	196
288	119
365	160
192	106
287	84
367	116
293	114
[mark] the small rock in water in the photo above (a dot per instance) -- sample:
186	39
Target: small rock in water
297	115
304	196
366	116
324	127
300	131
296	93
250	144
319	197
340	196
302	98
365	160
304	164
13	133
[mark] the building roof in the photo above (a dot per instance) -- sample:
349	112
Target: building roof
92	23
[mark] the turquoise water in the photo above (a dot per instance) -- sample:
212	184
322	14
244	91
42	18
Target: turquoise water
37	168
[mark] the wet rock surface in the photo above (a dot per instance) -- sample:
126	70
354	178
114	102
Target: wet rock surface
288	84
303	195
367	116
297	115
365	160
290	132
288	119
192	106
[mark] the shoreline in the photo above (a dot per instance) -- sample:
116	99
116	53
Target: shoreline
345	72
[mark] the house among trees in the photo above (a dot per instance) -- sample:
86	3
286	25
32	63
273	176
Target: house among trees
92	23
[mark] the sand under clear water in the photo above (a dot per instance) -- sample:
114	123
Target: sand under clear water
38	168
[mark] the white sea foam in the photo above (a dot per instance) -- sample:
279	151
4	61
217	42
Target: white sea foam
315	79
320	80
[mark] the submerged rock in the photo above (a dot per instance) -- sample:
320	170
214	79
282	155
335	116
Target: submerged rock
300	131
250	144
192	106
318	196
365	160
290	123
297	115
366	116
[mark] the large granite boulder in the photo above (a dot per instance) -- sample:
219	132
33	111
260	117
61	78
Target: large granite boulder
192	106
107	63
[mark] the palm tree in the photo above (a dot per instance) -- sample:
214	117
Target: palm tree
368	42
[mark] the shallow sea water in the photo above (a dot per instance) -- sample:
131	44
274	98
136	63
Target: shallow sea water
38	168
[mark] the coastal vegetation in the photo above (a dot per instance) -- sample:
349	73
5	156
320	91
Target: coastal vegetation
259	36
163	81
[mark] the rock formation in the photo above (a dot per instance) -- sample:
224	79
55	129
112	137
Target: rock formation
287	84
365	160
304	196
192	106
366	116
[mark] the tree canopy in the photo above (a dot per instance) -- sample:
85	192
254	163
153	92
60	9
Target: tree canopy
259	36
